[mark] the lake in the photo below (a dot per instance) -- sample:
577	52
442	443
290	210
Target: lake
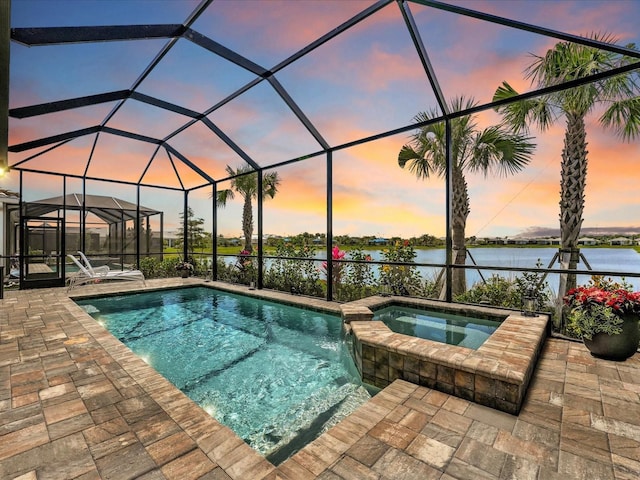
605	259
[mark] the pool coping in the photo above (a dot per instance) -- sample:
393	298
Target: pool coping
496	375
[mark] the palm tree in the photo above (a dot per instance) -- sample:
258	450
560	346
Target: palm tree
493	149
245	183
618	95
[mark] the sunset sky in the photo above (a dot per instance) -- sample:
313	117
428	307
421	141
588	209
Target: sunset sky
366	81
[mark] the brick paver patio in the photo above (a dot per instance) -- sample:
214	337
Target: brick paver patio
76	403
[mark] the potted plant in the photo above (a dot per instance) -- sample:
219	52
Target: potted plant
185	269
605	314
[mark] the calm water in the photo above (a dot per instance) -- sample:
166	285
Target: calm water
606	259
276	375
437	326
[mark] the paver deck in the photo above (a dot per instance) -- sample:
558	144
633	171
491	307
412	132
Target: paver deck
77	404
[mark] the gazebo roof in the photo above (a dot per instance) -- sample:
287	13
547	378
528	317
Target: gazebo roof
109	209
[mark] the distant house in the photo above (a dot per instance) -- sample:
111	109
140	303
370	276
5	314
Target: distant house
495	241
587	241
170	239
228	242
518	241
556	241
379	241
620	241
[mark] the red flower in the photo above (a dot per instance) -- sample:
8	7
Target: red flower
619	300
336	254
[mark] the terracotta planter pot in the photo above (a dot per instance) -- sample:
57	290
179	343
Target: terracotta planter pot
184	273
617	347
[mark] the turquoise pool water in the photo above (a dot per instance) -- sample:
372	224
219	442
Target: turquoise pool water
278	376
439	327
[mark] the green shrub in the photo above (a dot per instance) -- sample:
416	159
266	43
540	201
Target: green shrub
401	279
357	280
496	291
289	275
150	267
499	291
168	267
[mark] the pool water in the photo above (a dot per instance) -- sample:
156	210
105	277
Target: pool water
437	326
277	375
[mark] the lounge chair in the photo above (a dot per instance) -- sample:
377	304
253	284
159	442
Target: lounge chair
91	274
94	271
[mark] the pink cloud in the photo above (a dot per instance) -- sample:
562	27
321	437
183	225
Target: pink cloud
287	25
384	68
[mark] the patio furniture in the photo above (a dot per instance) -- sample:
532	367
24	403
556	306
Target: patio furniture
88	273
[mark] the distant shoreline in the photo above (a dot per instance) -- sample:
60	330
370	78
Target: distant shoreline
470	247
365	248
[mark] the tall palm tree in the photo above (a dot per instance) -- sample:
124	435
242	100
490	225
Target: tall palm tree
618	95
494	148
245	183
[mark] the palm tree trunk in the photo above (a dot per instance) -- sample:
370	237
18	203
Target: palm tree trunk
572	185
247	223
459	222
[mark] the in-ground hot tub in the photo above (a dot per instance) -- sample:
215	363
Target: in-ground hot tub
496	374
443	327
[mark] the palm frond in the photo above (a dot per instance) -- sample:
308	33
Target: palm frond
624	117
270	183
223	196
500	150
417	164
518	115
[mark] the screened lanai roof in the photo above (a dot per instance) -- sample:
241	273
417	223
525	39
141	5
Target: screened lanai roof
109	209
168	93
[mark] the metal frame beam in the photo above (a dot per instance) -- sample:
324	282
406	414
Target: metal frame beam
98	179
188	163
156	102
21	147
128	134
5	40
226	53
277	86
71	103
547	32
33	37
424	56
230	143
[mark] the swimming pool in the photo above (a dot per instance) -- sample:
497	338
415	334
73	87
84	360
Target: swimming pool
441	327
277	375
